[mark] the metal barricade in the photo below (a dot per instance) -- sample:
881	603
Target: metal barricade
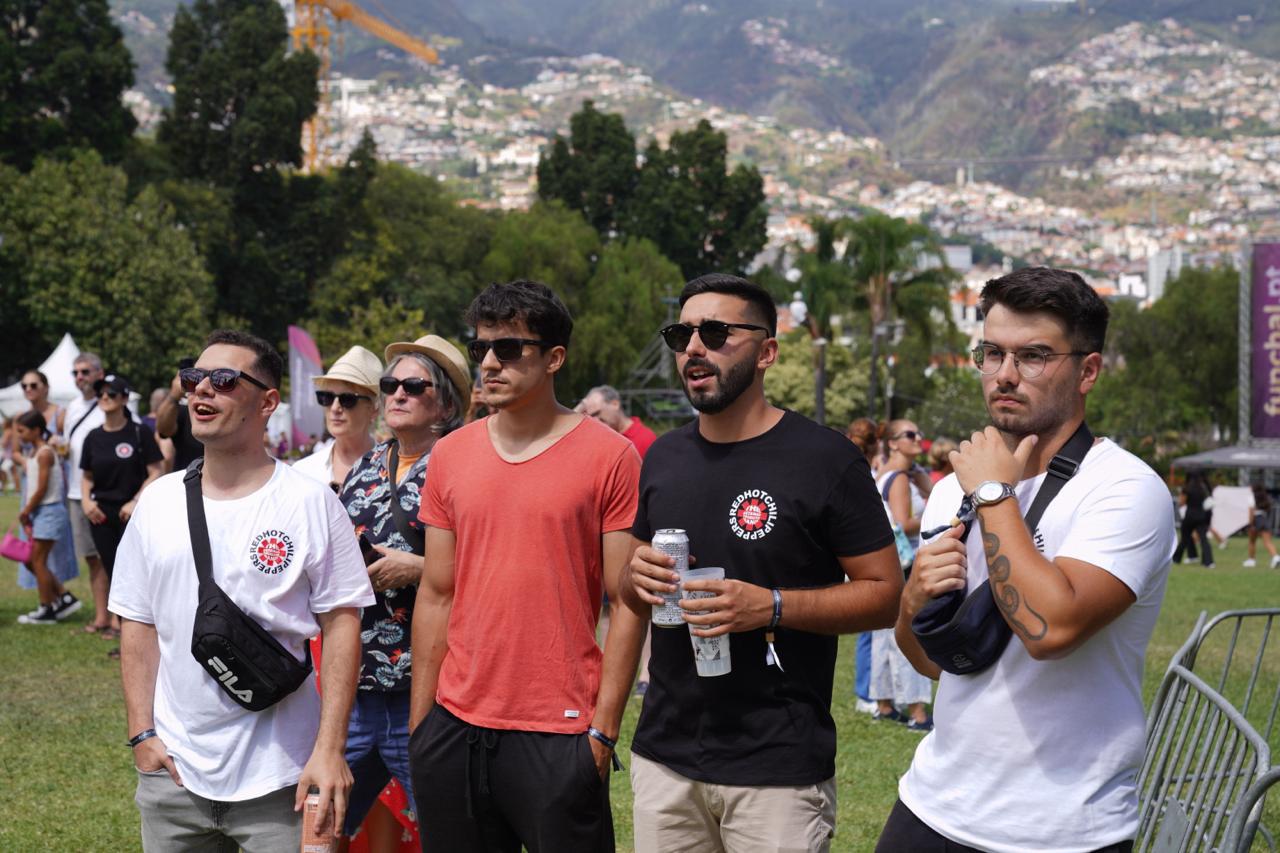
1202	754
1244	821
1230	652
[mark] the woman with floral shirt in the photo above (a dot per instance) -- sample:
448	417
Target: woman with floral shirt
425	393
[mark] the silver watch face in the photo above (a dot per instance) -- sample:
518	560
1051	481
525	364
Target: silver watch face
990	491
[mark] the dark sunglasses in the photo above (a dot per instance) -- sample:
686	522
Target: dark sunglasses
82	371
345	400
223	379
30	386
107	392
506	349
713	333
414	386
909	434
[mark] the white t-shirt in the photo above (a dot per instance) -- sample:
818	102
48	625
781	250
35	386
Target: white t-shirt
318	466
283	554
1044	755
75	410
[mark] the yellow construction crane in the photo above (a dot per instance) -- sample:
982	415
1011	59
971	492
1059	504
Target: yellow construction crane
311	30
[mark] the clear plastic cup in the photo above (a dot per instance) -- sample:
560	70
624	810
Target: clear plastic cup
710	654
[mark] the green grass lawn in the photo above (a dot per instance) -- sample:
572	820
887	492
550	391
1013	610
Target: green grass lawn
67	781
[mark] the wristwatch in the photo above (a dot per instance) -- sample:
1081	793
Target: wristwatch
991	492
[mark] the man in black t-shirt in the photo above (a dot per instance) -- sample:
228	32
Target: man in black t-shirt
746	760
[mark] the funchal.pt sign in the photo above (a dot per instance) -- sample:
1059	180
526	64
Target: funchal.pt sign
1265	421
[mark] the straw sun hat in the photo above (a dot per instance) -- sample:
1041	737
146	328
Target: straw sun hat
357	366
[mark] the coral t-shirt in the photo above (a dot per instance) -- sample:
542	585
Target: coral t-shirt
527	572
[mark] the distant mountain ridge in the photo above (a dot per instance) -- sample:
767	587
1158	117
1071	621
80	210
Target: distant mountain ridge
932	78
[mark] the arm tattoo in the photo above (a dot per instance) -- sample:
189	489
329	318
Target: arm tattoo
1006	595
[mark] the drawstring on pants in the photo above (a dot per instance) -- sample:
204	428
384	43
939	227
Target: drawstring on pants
480	742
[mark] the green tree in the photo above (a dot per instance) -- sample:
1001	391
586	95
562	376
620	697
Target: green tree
122	277
683	198
702	216
413	260
63	68
239	99
547	243
790	381
620	312
594	171
1171	369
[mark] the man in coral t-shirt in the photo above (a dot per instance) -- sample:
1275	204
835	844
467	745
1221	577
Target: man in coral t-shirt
514	709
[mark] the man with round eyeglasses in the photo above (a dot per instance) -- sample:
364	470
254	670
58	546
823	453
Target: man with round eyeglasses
1039	750
745	761
211	772
515	709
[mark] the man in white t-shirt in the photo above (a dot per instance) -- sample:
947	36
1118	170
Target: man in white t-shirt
83	417
1040	751
284	551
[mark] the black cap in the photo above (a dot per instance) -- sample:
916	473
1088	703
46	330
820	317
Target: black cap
113	381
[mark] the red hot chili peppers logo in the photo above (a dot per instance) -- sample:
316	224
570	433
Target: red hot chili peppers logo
271	552
753	514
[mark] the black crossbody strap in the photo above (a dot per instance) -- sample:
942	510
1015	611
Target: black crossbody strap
1062	468
76	426
416	539
197	525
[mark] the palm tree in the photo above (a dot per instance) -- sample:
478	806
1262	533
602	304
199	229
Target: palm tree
899	269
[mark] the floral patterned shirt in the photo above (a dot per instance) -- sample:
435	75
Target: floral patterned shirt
384	626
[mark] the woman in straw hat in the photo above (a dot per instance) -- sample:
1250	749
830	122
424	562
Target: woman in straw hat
426	390
348	393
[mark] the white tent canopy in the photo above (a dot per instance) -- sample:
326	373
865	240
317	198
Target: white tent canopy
62	387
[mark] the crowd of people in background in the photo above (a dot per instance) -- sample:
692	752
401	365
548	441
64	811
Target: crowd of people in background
468	564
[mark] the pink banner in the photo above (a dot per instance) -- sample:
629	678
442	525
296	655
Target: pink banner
304	366
1265	401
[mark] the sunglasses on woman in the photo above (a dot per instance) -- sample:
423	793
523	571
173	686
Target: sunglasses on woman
113	395
414	386
223	379
712	332
346	400
506	349
30	386
910	435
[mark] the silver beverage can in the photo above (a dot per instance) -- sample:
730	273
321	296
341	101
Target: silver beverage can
674	543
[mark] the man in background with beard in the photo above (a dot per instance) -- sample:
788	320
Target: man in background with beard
746	760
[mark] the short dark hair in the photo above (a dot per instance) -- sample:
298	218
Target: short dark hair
529	302
732	285
1062	293
268	366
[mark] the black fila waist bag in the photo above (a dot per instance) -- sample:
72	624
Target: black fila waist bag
249	664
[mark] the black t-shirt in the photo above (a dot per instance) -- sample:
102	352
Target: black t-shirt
118	461
186	447
776	510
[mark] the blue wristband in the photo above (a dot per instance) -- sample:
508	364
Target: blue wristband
593	732
777	609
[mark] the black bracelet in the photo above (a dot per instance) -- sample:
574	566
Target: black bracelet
777	609
145	734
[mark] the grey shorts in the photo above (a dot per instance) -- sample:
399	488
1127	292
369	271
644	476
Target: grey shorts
80	534
174	820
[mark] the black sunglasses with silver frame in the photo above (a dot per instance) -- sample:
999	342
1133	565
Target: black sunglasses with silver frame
414	386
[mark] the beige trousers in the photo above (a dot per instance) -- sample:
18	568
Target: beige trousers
675	814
